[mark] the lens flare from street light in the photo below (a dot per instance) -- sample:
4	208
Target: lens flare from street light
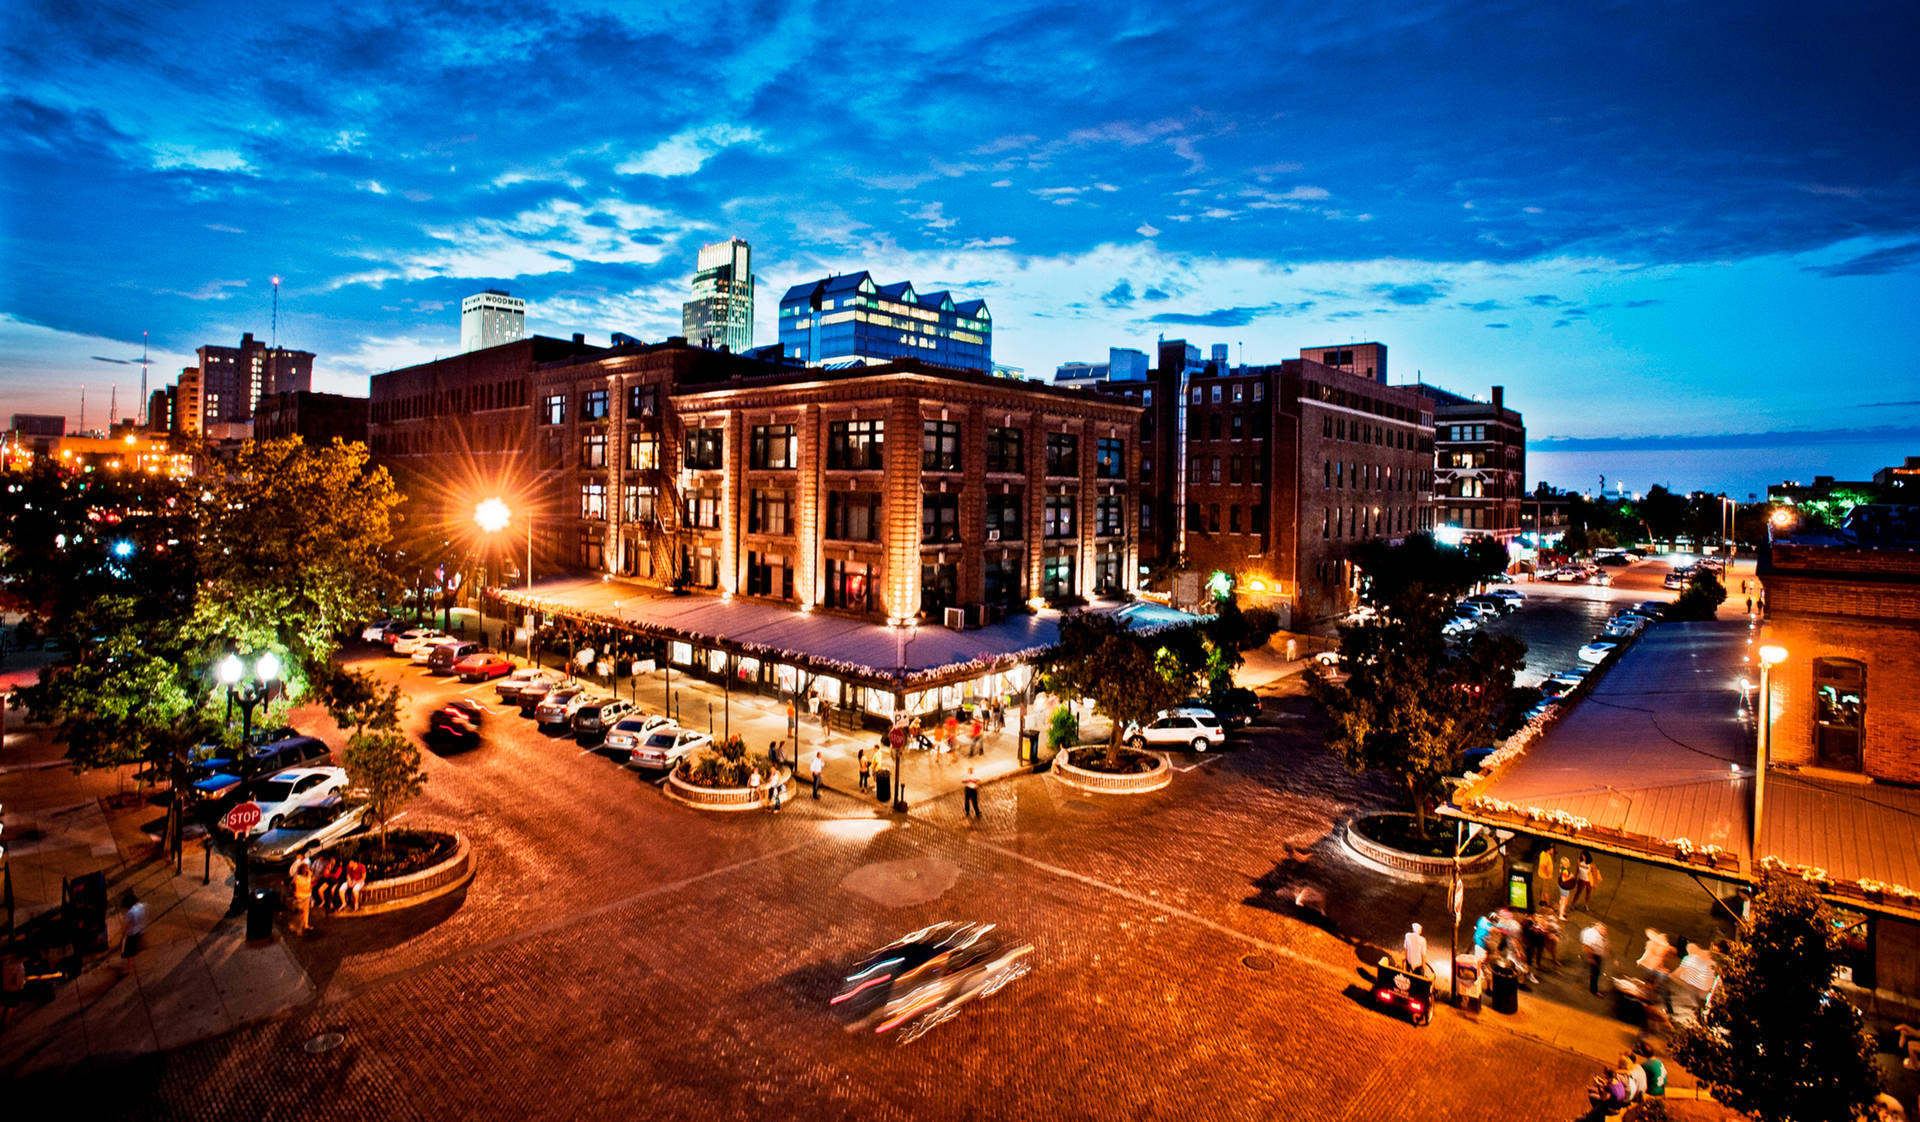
492	515
1772	655
231	669
268	668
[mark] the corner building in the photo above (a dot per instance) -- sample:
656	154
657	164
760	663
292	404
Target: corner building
1479	464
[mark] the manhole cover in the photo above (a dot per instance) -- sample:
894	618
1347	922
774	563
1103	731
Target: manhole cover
325	1042
1256	962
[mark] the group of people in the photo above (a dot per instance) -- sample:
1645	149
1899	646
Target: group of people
1524	941
328	881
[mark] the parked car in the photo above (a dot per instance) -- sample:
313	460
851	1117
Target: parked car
1498	605
376	631
1325	658
407	641
1652	609
386	632
560	704
1511	595
217	777
593	718
309	827
1454	627
664	746
296	787
1235	707
1597	651
627	732
1185	727
480	666
443	657
457	723
534	690
508	688
1625	625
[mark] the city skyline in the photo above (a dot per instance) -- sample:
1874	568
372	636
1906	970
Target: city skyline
1651	225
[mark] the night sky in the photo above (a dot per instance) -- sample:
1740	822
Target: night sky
1644	220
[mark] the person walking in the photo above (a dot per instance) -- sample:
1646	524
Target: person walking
1593	941
1543	879
951	734
975	732
1567	882
1584	877
300	895
136	925
970	808
819	765
866	768
1658	960
826	719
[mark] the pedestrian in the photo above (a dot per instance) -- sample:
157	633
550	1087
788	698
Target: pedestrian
773	754
826	719
1566	885
790	717
1584	877
1658	960
976	732
332	882
1593	941
776	790
866	769
355	884
136	925
1413	948
300	894
1543	879
819	765
970	808
1696	974
753	788
1534	934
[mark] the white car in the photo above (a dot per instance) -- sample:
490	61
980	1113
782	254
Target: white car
423	650
289	790
309	827
627	733
1597	651
409	640
664	746
1325	658
375	631
1192	728
559	705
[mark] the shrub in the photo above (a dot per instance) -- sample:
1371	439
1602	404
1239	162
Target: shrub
1063	728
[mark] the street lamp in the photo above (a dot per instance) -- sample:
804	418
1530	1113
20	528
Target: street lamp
1771	655
492	515
265	670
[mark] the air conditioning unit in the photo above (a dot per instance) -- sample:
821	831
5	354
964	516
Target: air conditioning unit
955	619
993	535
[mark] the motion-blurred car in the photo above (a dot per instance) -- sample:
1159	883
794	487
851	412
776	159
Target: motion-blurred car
925	978
289	790
1235	707
664	746
627	732
309	827
481	666
457	723
408	641
559	705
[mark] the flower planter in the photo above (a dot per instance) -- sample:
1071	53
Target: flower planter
722	799
1402	865
448	875
1107	782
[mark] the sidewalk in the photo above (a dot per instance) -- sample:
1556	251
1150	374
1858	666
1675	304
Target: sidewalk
195	977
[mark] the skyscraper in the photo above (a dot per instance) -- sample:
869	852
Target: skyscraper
850	319
721	311
490	318
230	380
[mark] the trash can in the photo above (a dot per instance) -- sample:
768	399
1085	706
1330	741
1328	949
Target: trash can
883	785
1030	746
1504	987
260	912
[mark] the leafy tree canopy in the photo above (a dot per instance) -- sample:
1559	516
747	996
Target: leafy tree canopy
384	766
1701	599
1128	676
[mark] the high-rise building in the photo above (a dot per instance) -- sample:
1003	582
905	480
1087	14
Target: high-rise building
1479	464
230	380
720	315
490	318
850	320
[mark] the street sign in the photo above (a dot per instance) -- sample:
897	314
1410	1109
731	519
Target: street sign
242	818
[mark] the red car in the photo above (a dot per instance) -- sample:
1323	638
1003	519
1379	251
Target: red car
481	667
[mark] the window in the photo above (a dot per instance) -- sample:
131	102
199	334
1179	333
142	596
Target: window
1339	473
642	401
940	446
1146	515
1215	395
1003	450
853	516
770	512
1110	459
1005	584
1196	395
1146	469
1839	711
1239	426
1256	519
1326	467
1213	426
704	447
1106	574
1326	425
592	552
593	500
703	509
769	574
706	567
553	409
1059	516
637	503
643	451
593	405
1256	469
772	448
856	445
1056	576
1233	470
593	450
939	518
1259	391
939	587
1063	453
850	586
1213	518
1239	391
553	446
1213	470
1107	512
1004	517
1233	519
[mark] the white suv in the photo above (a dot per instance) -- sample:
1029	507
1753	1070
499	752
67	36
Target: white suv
1192	728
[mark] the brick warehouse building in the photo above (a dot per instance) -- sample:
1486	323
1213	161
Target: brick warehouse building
1479	463
1272	473
890	492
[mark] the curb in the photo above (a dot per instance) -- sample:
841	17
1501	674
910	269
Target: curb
721	800
1105	783
462	857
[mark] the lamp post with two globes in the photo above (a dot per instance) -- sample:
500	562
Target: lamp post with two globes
266	670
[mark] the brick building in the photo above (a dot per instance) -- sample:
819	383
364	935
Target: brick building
316	418
1479	464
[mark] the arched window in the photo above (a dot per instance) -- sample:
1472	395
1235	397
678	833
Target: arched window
1839	711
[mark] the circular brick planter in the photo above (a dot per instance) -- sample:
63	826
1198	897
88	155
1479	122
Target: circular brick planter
1419	867
430	883
1106	782
717	798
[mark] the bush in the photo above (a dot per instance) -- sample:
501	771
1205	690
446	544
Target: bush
1063	728
405	852
1700	600
727	763
1130	762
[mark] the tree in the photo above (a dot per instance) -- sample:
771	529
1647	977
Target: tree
384	766
1485	557
1129	676
1701	599
1663	513
355	699
1226	638
1778	1042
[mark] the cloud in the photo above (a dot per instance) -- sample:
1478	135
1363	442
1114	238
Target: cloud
1499	326
1887	405
1776	438
933	217
1887	259
1119	296
1155	295
1410	295
212	290
1643	303
1146	231
1230	317
1546	300
685	152
1483	306
999	242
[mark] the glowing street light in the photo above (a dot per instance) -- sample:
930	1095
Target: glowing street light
1771	656
493	515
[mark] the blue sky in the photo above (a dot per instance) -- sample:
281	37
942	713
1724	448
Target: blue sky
1646	221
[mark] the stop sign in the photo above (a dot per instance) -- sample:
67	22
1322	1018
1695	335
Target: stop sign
242	818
